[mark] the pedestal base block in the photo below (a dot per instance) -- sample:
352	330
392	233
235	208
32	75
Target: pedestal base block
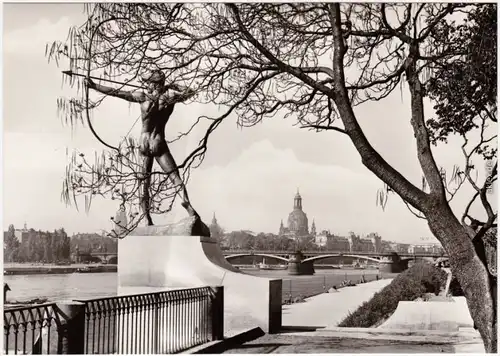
151	263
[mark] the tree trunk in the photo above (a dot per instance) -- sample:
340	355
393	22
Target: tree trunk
468	264
478	285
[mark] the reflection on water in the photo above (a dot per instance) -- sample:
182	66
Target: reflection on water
95	285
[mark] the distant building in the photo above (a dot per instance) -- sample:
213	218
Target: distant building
376	241
425	248
215	229
297	228
22	234
338	243
358	244
298	224
399	247
321	239
385	246
332	242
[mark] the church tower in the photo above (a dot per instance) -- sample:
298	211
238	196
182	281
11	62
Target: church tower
297	219
297	202
313	228
215	229
282	228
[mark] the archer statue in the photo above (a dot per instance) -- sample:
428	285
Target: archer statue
157	104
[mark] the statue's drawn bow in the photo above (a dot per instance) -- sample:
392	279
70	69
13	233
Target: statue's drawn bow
89	50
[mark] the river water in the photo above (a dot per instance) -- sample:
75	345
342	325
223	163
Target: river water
96	285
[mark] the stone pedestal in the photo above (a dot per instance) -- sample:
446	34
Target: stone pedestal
150	261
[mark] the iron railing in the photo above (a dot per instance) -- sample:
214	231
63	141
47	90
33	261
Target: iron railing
153	323
32	330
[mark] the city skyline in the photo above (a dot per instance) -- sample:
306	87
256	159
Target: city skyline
214	218
250	186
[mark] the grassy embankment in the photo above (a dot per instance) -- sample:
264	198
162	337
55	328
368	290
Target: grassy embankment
413	283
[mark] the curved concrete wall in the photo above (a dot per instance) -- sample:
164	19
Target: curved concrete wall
438	315
154	263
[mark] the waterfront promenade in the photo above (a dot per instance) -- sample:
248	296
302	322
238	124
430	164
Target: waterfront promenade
308	327
329	309
311	327
322	310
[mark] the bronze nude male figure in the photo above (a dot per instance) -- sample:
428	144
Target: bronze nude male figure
157	105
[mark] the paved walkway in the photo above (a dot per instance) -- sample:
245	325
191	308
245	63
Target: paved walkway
357	340
329	309
315	344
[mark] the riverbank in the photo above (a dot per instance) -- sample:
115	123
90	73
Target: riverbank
31	268
28	269
58	286
300	287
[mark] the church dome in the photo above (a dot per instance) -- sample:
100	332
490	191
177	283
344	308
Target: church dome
298	223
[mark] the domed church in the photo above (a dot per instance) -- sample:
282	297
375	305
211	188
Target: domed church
298	224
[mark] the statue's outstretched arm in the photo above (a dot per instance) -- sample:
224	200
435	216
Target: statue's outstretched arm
135	97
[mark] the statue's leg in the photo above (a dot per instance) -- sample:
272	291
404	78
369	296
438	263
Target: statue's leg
145	199
167	163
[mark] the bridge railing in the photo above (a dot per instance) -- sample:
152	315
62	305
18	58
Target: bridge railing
153	323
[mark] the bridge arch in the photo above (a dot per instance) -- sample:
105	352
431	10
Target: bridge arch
230	257
321	257
87	258
111	258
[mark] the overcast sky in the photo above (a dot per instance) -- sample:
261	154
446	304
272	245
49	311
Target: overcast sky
249	177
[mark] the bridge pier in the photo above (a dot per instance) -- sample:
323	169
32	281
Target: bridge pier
307	268
393	264
297	267
294	263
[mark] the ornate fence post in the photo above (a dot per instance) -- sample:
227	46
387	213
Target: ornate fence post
217	313
72	328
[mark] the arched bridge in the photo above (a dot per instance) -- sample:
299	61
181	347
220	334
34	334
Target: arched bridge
318	255
268	255
287	257
322	257
388	261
